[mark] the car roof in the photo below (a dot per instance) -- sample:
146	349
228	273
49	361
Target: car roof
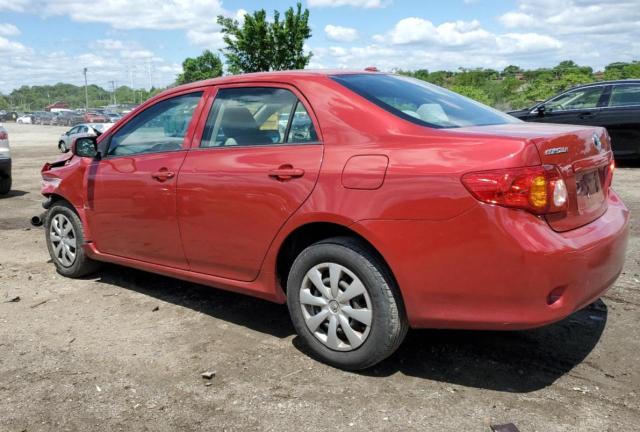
266	77
610	82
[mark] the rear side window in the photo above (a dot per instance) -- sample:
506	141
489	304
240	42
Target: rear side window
421	102
252	116
625	95
161	127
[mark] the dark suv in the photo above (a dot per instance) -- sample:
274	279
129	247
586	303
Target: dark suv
612	104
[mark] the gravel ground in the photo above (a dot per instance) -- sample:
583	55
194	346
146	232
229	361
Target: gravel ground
124	350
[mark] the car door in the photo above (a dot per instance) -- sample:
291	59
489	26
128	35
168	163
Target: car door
70	135
621	117
249	171
131	191
580	106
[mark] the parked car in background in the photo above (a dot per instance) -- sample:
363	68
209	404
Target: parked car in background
386	202
68	118
614	105
94	117
24	118
43	118
5	162
8	116
113	116
81	130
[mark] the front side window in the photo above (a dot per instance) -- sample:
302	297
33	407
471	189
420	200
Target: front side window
625	95
252	116
160	128
578	99
421	102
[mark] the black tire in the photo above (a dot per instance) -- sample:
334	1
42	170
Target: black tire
388	323
82	265
5	185
62	147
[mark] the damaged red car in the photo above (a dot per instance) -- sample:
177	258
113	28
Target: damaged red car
368	202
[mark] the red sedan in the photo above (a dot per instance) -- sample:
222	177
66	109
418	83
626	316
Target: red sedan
94	117
369	202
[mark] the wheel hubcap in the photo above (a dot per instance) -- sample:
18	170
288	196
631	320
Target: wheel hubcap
336	306
63	240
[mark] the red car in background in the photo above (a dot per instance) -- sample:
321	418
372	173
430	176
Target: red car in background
369	202
94	117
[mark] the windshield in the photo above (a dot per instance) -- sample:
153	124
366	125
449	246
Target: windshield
422	103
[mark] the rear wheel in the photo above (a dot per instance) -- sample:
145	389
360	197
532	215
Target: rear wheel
5	185
65	238
344	304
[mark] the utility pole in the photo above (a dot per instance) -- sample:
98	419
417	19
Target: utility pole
86	92
113	90
149	74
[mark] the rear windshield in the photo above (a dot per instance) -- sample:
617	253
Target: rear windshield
422	103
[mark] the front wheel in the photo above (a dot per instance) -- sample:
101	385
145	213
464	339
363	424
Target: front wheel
344	304
62	147
65	238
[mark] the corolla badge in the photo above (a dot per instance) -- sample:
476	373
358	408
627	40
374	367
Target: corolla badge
556	150
596	142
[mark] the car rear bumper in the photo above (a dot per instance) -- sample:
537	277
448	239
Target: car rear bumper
495	268
5	167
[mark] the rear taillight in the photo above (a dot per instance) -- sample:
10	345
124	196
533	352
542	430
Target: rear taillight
539	189
3	135
609	175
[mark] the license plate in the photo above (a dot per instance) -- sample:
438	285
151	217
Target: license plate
589	190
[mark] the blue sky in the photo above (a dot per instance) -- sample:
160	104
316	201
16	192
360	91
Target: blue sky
145	41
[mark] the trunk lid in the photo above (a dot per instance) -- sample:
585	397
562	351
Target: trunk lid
583	155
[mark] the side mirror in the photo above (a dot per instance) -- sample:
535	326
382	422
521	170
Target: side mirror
85	147
540	110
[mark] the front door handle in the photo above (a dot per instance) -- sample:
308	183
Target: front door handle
286	172
163	174
586	115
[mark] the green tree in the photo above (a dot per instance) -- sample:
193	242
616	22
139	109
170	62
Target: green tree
472	93
259	45
207	65
511	70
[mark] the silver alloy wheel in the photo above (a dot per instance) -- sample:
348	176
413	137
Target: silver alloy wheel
63	240
336	306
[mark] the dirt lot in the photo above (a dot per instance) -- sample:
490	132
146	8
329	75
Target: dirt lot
124	350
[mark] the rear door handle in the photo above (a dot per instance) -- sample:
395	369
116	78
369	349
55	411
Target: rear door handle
163	175
286	172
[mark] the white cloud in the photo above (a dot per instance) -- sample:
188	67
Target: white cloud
592	32
137	54
575	16
415	42
14	5
516	19
526	43
419	30
107	59
341	34
110	44
207	39
196	17
367	4
141	14
9	47
7	29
